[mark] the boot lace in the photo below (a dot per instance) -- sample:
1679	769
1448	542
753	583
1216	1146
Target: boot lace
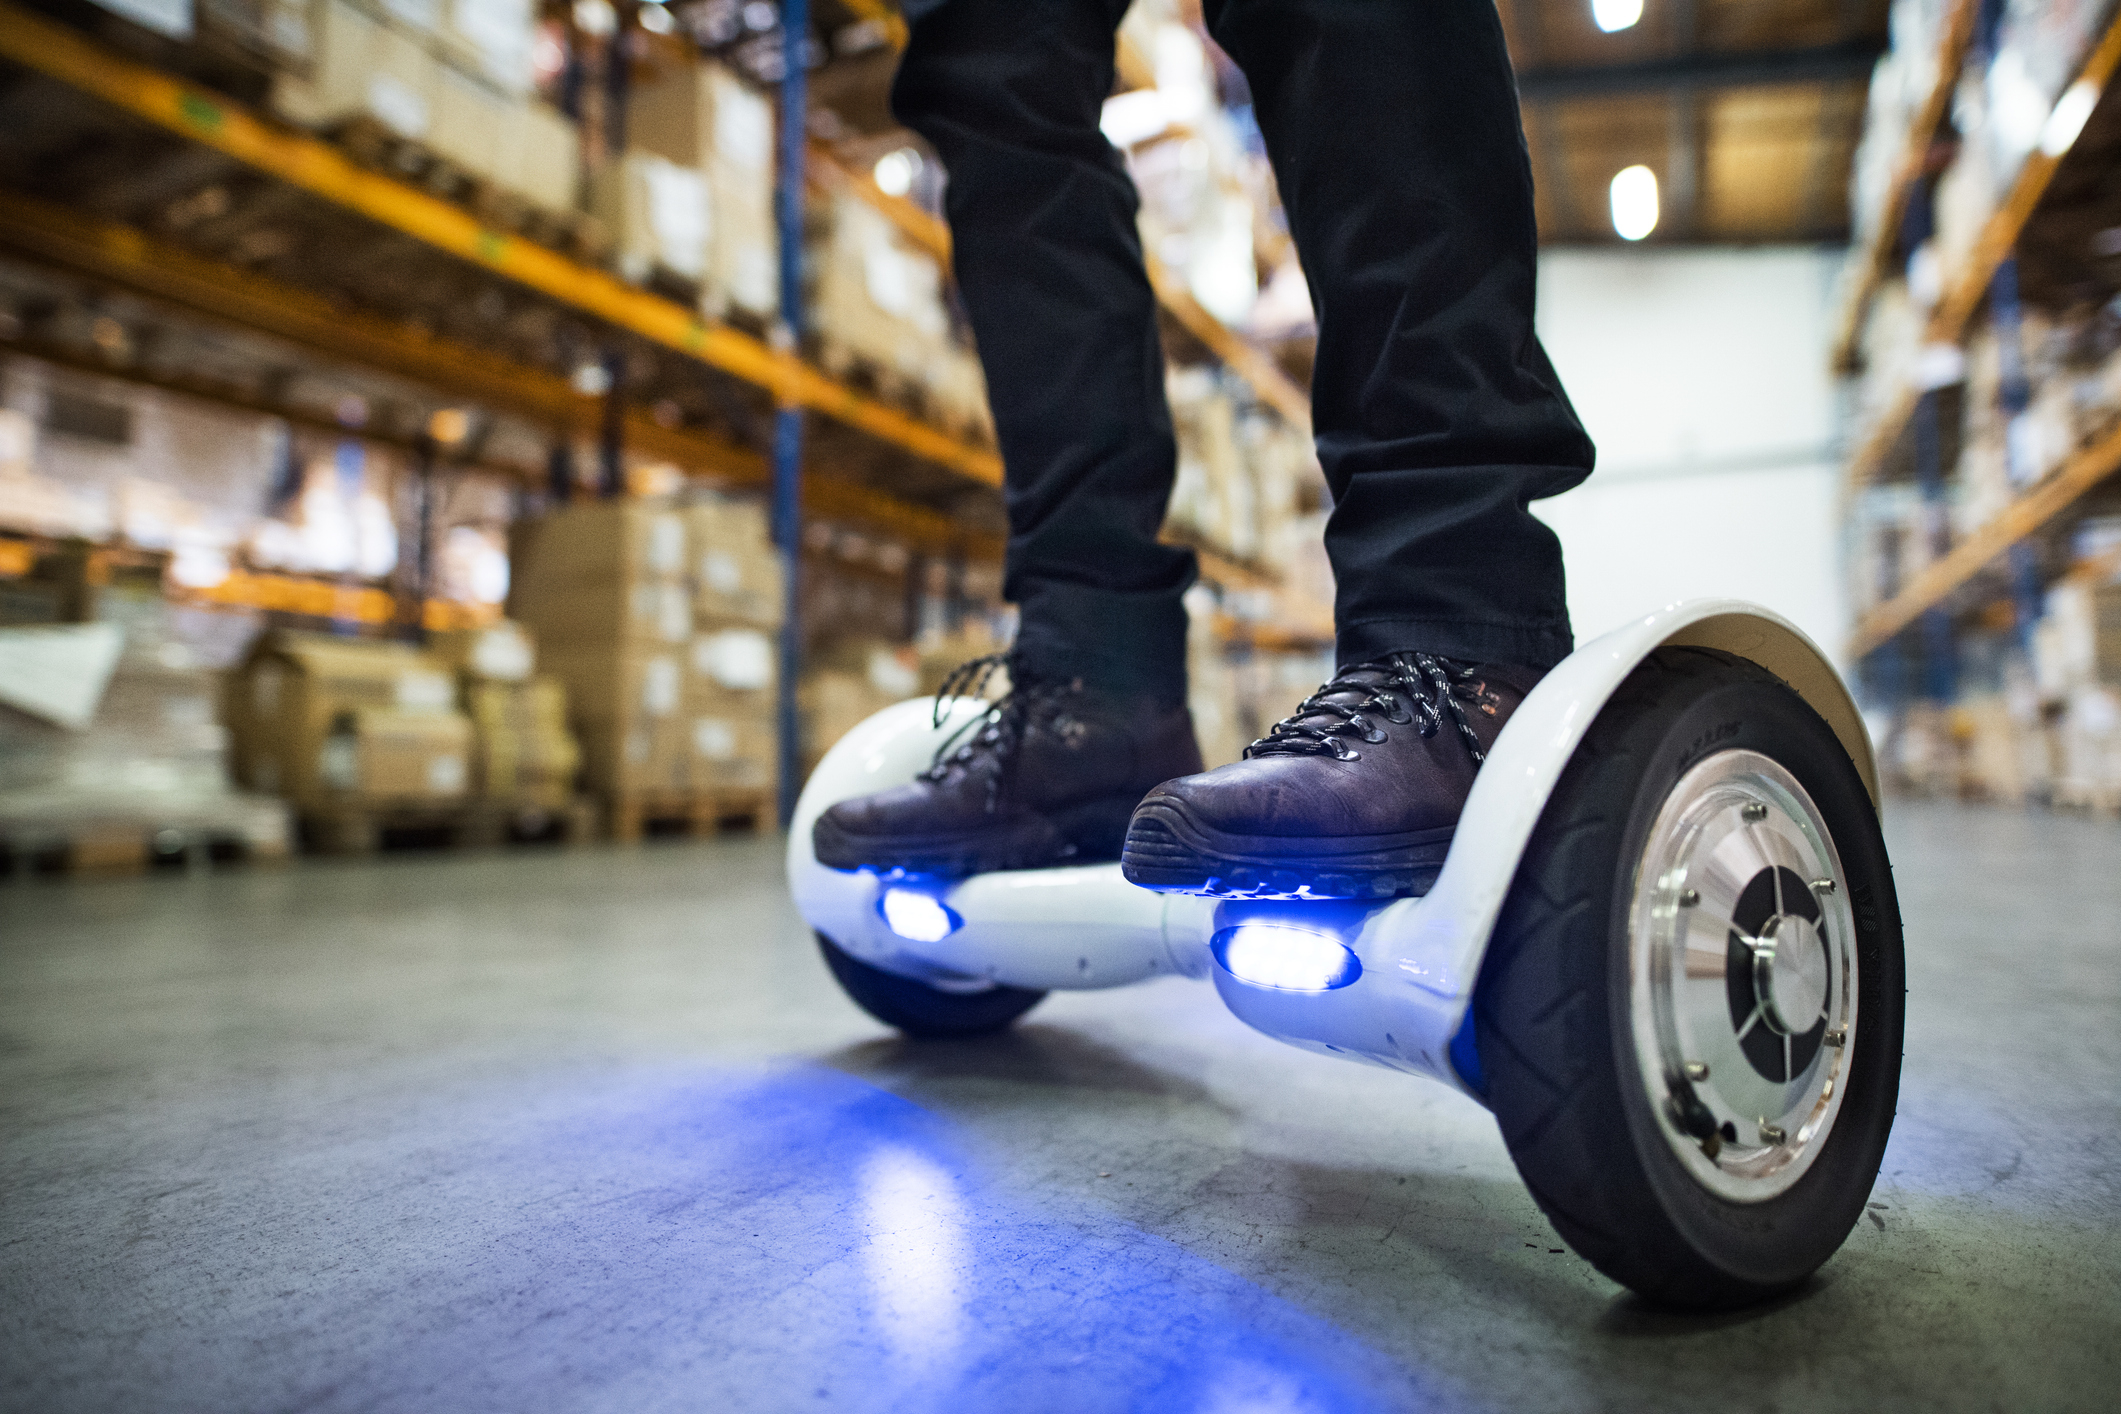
1418	688
996	732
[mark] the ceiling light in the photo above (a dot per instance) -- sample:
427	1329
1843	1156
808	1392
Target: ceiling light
1614	15
896	170
1634	195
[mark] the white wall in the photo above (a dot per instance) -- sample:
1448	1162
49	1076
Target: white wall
1702	376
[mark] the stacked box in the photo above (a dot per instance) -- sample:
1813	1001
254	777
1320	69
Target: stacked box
877	299
732	668
603	587
710	122
326	721
659	216
522	749
729	710
736	570
461	88
851	682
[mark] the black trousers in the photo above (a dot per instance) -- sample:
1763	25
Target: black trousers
1393	130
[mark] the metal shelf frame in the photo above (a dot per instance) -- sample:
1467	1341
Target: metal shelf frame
1967	286
2029	514
196	113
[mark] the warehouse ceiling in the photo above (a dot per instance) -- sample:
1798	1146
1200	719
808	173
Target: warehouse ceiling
1748	111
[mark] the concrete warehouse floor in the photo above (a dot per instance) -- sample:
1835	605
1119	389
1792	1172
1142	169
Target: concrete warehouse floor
593	1130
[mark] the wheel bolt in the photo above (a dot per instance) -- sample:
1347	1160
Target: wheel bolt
1754	812
1822	886
1696	1070
1771	1133
1689	897
1838	1036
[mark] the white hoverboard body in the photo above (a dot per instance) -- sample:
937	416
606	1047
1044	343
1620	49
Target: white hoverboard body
1387	982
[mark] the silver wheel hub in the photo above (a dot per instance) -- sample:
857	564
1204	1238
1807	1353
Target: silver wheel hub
1742	975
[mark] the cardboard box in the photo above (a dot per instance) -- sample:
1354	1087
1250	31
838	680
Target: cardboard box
469	117
736	570
538	156
319	719
710	121
620	757
384	753
734	658
497	652
361	66
587	612
705	117
493	39
522	748
876	297
730	744
618	682
658	214
599	540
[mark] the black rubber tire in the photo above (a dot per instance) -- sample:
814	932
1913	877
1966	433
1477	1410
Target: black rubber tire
919	1009
1551	1021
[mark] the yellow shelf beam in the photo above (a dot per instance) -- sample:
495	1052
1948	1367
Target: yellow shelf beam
1871	265
213	120
2025	516
1968	285
114	254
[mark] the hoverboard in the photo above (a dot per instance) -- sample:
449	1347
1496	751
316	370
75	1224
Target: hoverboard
1664	949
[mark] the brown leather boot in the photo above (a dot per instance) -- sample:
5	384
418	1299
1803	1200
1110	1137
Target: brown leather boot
1049	776
1354	796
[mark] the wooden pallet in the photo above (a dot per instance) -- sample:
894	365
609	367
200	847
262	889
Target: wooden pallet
636	813
368	826
129	847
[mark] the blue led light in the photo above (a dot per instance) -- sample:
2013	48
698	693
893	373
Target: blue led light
1284	958
917	917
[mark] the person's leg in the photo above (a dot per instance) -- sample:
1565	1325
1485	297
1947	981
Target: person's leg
1050	267
1395	139
1049	263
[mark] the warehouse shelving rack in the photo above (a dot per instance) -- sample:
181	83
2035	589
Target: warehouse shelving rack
1964	289
136	260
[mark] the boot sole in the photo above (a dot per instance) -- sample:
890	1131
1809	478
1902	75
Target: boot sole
1171	852
1085	834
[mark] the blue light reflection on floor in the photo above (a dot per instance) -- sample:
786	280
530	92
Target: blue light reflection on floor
801	1239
